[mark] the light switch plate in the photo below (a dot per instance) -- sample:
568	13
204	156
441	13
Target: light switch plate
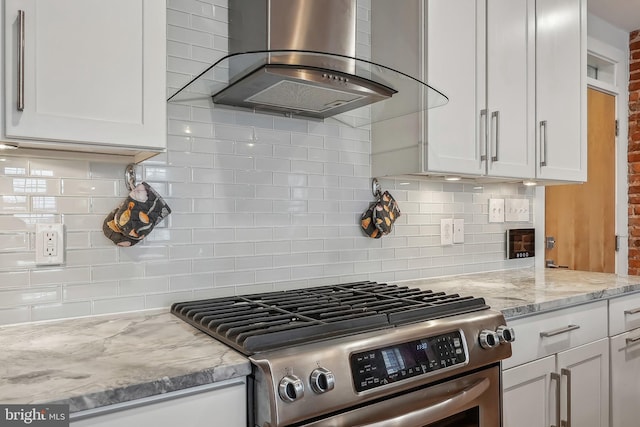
496	210
446	231
516	210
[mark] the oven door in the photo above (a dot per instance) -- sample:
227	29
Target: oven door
473	400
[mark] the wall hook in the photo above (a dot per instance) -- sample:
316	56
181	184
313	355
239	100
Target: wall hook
130	176
376	188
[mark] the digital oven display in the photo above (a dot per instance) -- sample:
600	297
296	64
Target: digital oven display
375	368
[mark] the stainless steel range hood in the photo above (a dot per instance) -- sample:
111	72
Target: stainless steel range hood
299	58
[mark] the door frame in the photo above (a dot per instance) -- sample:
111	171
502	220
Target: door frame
620	89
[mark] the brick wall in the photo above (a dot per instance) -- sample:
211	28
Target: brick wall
634	153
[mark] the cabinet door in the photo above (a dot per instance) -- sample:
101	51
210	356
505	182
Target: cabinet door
561	89
94	71
528	394
456	67
511	88
223	406
625	379
585	377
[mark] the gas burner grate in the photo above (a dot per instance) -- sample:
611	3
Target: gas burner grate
259	322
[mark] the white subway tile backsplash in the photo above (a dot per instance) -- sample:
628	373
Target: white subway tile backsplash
13	204
236	278
13	166
15	297
88	291
307	167
260	202
14	242
25	185
213	264
54	168
59	311
118	304
14	279
59	204
184	282
84	187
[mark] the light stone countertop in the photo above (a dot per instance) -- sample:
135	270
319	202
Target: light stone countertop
97	361
527	291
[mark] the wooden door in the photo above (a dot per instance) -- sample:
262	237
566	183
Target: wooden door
581	217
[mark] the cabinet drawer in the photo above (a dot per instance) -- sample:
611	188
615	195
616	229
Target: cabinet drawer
624	313
547	333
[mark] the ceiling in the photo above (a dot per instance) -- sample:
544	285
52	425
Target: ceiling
624	14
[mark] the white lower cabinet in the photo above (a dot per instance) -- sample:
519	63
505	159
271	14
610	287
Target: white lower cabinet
527	393
625	379
570	388
218	404
624	328
559	372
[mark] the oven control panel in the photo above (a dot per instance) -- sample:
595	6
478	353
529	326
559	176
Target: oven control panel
378	367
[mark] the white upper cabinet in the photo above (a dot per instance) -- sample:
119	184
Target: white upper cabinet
90	75
504	71
561	91
484	65
510	88
456	65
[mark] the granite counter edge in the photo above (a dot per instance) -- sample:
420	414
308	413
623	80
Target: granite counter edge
536	308
155	387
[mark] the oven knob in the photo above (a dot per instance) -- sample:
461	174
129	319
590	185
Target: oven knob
506	334
291	388
488	339
322	380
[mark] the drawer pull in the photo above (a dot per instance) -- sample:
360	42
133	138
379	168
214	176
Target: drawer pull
559	331
567	373
632	311
556	377
632	340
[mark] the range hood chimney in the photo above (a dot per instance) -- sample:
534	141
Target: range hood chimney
299	58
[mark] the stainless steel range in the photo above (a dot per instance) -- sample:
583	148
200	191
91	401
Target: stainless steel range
363	354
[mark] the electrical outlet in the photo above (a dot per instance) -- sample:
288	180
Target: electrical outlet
458	231
496	210
446	232
49	244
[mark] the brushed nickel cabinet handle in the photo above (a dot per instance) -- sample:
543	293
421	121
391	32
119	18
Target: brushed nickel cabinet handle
634	340
21	18
496	115
556	377
543	145
483	135
567	373
632	311
559	331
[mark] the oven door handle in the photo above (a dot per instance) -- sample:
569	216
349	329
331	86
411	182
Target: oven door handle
438	410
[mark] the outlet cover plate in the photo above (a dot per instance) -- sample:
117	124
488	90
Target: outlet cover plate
49	244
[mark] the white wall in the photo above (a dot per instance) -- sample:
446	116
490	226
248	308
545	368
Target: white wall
259	203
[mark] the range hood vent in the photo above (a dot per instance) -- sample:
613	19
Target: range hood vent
298	58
